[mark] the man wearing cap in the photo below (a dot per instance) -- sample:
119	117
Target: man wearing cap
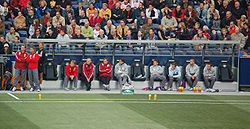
6	49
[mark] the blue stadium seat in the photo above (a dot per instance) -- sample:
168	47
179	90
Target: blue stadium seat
6	23
190	53
23	33
138	52
155	26
118	52
129	51
179	52
166	52
74	2
91	52
227	52
216	52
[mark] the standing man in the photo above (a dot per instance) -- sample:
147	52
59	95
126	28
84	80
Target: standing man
156	72
71	72
174	74
43	57
20	67
88	73
192	73
209	77
105	69
121	73
33	59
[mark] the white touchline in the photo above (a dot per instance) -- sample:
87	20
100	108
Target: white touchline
13	96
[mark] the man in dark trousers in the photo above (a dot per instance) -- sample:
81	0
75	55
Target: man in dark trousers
42	60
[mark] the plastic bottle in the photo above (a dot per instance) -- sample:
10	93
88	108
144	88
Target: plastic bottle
149	96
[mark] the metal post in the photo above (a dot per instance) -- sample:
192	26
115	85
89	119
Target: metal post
233	52
173	52
53	51
83	50
203	53
143	53
113	57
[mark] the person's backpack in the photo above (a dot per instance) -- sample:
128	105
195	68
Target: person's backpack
50	70
225	72
137	71
63	67
80	66
183	73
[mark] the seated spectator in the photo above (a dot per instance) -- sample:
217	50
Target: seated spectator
26	10
152	12
105	10
42	9
178	14
108	28
242	21
88	73
30	18
71	73
78	35
50	34
232	28
46	27
147	27
45	19
245	30
97	30
69	19
56	9
67	10
122	29
6	49
5	12
151	36
199	36
171	33
209	77
104	21
136	3
116	13
211	12
10	37
161	33
128	37
114	35
86	3
224	36
168	21
189	22
95	19
192	73
63	36
190	12
156	72
215	26
224	9
174	74
20	22
124	4
87	31
58	18
139	10
206	32
195	30
72	28
34	27
237	10
80	8
105	70
225	23
2	27
202	13
80	20
238	36
59	27
91	10
208	3
101	45
182	32
134	30
142	19
165	10
37	35
128	15
121	73
112	3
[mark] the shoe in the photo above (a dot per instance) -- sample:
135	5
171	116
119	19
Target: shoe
13	89
67	89
75	89
163	89
105	87
108	87
21	88
191	89
38	90
31	89
170	89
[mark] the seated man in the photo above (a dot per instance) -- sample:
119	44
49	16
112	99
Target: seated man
105	69
71	72
121	73
209	77
156	72
174	74
88	73
192	72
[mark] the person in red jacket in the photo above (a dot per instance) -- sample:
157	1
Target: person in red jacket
105	69
20	67
33	59
95	19
71	72
88	73
178	14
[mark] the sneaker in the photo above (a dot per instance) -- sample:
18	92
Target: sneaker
170	89
75	89
191	89
13	89
108	87
31	89
21	88
105	87
38	90
67	89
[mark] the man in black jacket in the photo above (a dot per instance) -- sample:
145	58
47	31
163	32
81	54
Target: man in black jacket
116	15
226	21
42	60
128	15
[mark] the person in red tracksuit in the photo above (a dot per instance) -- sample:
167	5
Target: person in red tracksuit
71	72
105	69
20	67
88	73
32	59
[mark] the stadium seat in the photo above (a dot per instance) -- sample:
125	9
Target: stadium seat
137	71
202	67
63	67
90	52
225	72
178	52
97	72
23	33
80	66
50	70
170	61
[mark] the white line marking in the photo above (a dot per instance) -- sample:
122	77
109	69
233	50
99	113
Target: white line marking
13	96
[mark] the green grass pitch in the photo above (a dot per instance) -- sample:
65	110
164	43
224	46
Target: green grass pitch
115	111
